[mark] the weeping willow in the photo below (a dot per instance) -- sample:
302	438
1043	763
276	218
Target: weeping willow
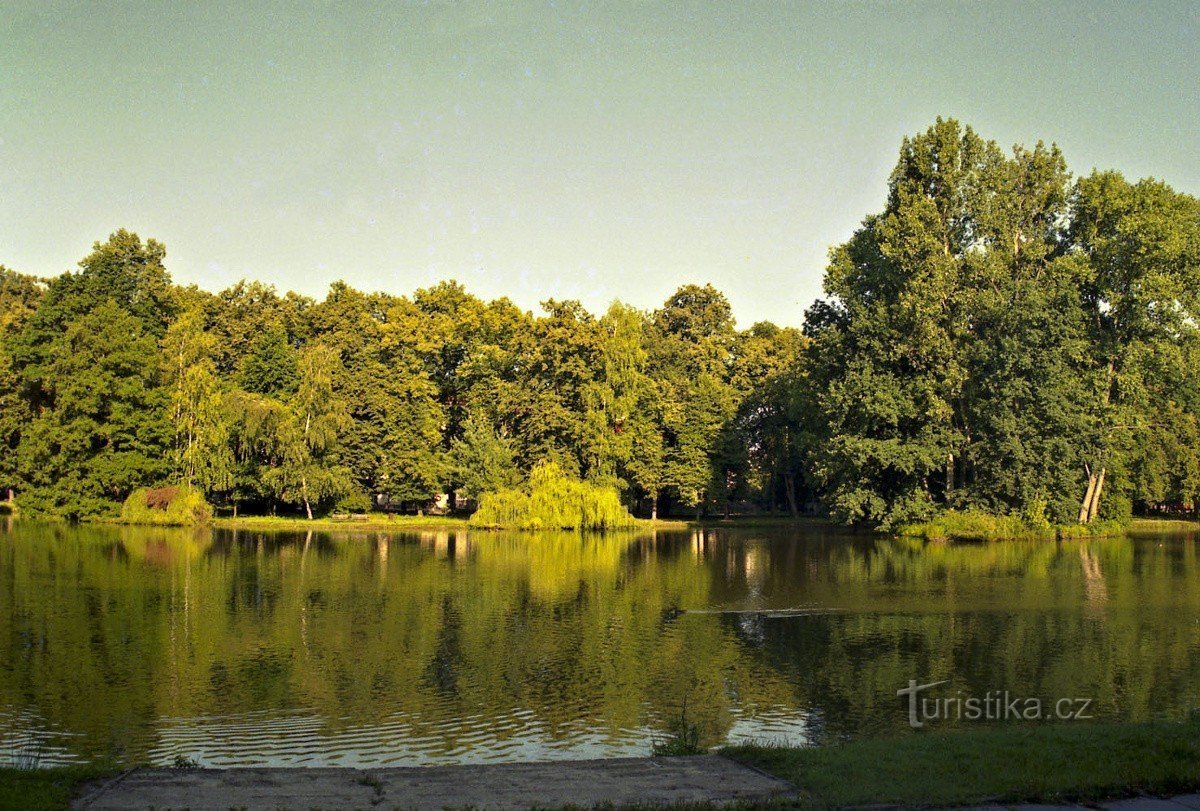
553	500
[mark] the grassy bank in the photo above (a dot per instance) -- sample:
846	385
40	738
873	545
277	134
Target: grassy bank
381	523
974	525
373	522
45	789
1049	764
1155	526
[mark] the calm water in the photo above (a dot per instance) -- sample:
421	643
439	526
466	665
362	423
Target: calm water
364	648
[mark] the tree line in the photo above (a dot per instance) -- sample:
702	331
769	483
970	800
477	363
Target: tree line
1001	337
115	378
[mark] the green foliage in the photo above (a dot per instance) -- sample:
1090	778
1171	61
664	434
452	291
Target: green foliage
103	430
482	461
202	452
271	365
683	739
46	789
305	437
166	506
20	297
999	340
977	525
392	440
553	500
355	500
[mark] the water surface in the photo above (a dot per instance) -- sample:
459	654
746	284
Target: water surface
257	648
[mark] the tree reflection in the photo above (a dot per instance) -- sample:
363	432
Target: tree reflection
457	646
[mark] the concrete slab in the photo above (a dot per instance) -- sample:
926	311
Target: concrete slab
584	783
1142	804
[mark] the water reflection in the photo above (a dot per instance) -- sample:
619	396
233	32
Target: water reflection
239	648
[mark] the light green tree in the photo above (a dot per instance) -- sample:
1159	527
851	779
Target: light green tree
203	455
306	438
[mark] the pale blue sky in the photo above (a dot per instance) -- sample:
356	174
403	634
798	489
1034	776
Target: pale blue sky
574	150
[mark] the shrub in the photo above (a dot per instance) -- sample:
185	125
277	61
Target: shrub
355	500
553	500
1117	508
166	506
977	525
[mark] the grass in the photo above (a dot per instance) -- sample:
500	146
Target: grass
1064	763
45	789
1156	525
370	521
767	522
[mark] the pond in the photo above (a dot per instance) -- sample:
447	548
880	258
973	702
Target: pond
252	648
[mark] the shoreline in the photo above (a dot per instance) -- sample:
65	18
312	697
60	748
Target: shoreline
434	523
399	523
1072	764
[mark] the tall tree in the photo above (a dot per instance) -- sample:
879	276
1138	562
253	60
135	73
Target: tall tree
1141	245
309	470
891	340
611	399
202	451
107	431
691	354
20	297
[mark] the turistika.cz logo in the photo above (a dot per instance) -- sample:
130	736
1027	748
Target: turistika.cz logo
995	705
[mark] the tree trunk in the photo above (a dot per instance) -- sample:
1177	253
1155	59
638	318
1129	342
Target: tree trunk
1085	508
949	476
789	487
235	509
654	506
1094	508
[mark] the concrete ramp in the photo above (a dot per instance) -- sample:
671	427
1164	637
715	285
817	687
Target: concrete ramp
583	783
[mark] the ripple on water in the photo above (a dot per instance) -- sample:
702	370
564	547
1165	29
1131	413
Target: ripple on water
306	739
28	741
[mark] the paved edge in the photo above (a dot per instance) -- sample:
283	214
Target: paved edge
612	782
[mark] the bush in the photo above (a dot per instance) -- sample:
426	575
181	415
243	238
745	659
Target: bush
356	500
166	506
977	525
1117	508
553	500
